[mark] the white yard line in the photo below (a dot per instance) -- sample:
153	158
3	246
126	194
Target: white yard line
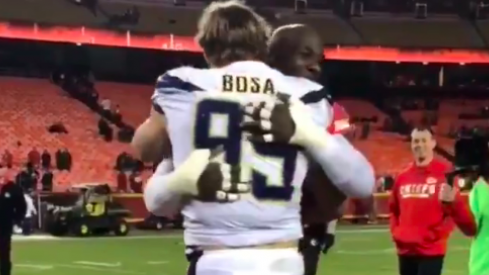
366	252
107	270
157	262
34	266
100	264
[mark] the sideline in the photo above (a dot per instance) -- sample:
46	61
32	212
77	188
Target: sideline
48	238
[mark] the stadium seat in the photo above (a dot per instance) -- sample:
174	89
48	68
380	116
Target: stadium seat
363	109
29	106
134	100
449	121
389	153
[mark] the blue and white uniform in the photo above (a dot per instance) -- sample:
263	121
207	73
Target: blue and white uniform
203	110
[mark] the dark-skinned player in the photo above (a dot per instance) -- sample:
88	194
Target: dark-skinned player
298	50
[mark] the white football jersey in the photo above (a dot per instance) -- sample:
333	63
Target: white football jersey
203	108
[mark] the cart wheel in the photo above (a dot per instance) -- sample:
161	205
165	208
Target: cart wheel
83	230
122	228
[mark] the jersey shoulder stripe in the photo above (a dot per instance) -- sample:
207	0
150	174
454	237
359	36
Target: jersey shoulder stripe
173	89
177	80
316	96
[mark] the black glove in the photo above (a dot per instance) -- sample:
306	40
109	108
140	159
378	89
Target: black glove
329	240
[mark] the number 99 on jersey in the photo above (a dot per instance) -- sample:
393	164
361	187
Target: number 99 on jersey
269	167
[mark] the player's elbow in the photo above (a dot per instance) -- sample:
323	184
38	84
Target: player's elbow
362	182
159	201
157	208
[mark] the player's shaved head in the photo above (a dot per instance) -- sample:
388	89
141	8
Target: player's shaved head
231	31
296	49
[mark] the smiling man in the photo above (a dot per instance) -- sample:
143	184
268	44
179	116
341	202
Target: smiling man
420	223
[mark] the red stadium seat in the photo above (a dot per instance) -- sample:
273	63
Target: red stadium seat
134	100
389	153
29	106
360	108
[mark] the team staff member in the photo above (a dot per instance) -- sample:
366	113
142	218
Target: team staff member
420	223
12	210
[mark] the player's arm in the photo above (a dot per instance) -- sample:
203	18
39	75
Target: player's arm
345	166
201	177
459	212
167	187
150	137
158	195
293	122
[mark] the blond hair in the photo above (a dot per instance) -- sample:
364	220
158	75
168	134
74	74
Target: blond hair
231	31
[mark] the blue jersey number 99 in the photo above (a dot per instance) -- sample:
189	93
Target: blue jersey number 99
218	124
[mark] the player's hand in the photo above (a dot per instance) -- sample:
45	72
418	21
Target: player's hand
447	193
286	120
219	182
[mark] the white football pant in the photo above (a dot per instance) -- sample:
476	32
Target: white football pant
251	262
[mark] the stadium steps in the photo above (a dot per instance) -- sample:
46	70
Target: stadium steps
29	106
134	100
361	108
389	153
451	109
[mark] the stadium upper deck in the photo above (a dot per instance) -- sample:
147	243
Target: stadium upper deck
366	22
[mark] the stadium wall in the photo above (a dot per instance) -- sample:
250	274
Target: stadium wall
355	209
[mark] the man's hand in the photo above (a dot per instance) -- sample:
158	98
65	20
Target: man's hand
219	183
207	179
447	193
287	120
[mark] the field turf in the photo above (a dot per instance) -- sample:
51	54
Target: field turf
359	251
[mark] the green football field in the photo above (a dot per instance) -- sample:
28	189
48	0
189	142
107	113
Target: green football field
359	251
